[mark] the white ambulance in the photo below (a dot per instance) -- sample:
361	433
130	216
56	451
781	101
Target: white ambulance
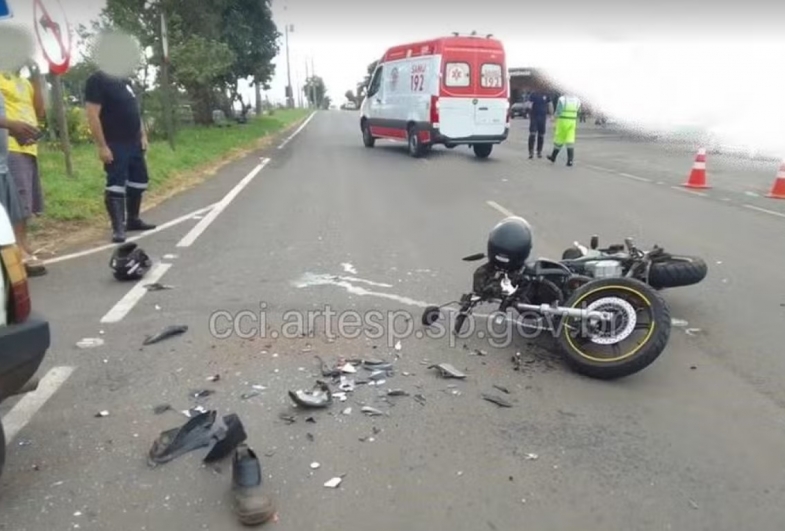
450	91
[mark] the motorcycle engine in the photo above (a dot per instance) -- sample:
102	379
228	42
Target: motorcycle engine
605	269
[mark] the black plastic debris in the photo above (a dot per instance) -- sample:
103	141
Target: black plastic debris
194	434
166	333
373	361
397	392
379	367
202	393
420	399
157	286
229	437
499	401
311	420
289	419
320	396
101	414
246	396
163	408
447	370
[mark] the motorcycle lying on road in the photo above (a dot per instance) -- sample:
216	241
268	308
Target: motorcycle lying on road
657	268
606	328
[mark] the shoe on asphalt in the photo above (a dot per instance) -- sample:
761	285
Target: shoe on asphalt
133	203
539	155
251	505
569	163
138	225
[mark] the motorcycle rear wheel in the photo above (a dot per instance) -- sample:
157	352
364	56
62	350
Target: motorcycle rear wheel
629	300
677	271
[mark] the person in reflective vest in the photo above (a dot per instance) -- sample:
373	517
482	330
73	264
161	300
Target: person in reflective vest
566	116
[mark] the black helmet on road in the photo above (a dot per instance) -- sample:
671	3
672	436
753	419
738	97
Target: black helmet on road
130	262
510	243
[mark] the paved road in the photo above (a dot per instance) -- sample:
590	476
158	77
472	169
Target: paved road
694	442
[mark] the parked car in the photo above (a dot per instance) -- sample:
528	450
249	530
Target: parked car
518	109
24	336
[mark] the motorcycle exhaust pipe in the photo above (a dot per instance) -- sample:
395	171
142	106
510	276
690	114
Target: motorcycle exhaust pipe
564	312
29	387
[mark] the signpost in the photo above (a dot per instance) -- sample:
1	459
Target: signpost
168	104
54	36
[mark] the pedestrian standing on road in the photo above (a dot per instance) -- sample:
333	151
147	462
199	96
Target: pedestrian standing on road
24	101
540	107
566	117
116	124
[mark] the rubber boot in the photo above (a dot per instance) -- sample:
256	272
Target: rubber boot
133	202
552	156
115	208
570	155
531	145
540	142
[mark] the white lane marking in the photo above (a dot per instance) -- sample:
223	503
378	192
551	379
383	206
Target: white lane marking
318	279
349	268
297	131
496	206
759	209
310	280
200	227
135	294
631	176
159	228
24	410
751	194
598	168
689	191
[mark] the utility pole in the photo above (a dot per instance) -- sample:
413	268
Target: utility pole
165	84
316	104
308	82
289	94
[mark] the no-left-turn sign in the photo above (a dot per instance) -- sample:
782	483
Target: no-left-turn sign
53	33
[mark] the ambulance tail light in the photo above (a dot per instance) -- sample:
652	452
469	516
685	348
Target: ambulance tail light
435	111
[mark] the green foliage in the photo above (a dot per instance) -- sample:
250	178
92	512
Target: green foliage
315	90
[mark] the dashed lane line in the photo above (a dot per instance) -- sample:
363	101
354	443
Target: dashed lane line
297	131
765	211
135	294
496	206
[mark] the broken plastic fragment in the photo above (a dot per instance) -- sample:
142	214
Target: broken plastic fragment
502	389
397	392
259	387
692	331
157	286
347	411
499	401
193	412
194	434
202	393
90	342
166	333
163	408
102	414
448	371
246	396
347	384
320	396
679	322
333	483
348	368
371	411
531	457
315	465
214	378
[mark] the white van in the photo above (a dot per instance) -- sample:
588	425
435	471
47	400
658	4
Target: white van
449	91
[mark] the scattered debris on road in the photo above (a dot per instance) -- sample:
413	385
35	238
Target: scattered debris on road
90	342
166	333
157	286
163	408
333	483
101	414
214	378
499	401
447	370
319	397
371	411
502	389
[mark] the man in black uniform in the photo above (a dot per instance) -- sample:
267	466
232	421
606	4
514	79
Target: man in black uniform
116	124
540	107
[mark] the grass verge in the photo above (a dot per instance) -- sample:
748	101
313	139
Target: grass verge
74	210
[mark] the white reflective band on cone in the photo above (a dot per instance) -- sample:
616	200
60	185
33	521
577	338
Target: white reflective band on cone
699	166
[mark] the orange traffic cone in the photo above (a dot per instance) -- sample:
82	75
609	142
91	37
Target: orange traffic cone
778	189
697	177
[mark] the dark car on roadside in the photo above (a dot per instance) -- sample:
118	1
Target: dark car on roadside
24	336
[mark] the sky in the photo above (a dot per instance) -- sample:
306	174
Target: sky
662	65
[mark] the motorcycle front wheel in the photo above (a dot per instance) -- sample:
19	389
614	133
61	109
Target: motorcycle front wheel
628	343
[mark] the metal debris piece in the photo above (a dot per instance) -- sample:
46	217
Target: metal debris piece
202	393
532	457
373	361
340	396
692	331
681	323
380	367
194	411
90	342
377	375
214	378
371	411
333	483
315	465
398	346
499	401
479	352
406	373
320	396
163	408
157	286
397	392
502	389
102	414
258	388
447	370
347	411
347	384
166	333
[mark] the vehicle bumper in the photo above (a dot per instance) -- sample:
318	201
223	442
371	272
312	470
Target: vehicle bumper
22	349
437	138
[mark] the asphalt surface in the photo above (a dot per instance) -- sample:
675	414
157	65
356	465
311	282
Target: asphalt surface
693	442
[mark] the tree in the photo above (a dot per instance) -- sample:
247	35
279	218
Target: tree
349	95
362	86
211	47
326	102
315	90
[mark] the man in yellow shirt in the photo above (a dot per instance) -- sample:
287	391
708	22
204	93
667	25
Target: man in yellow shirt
24	102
